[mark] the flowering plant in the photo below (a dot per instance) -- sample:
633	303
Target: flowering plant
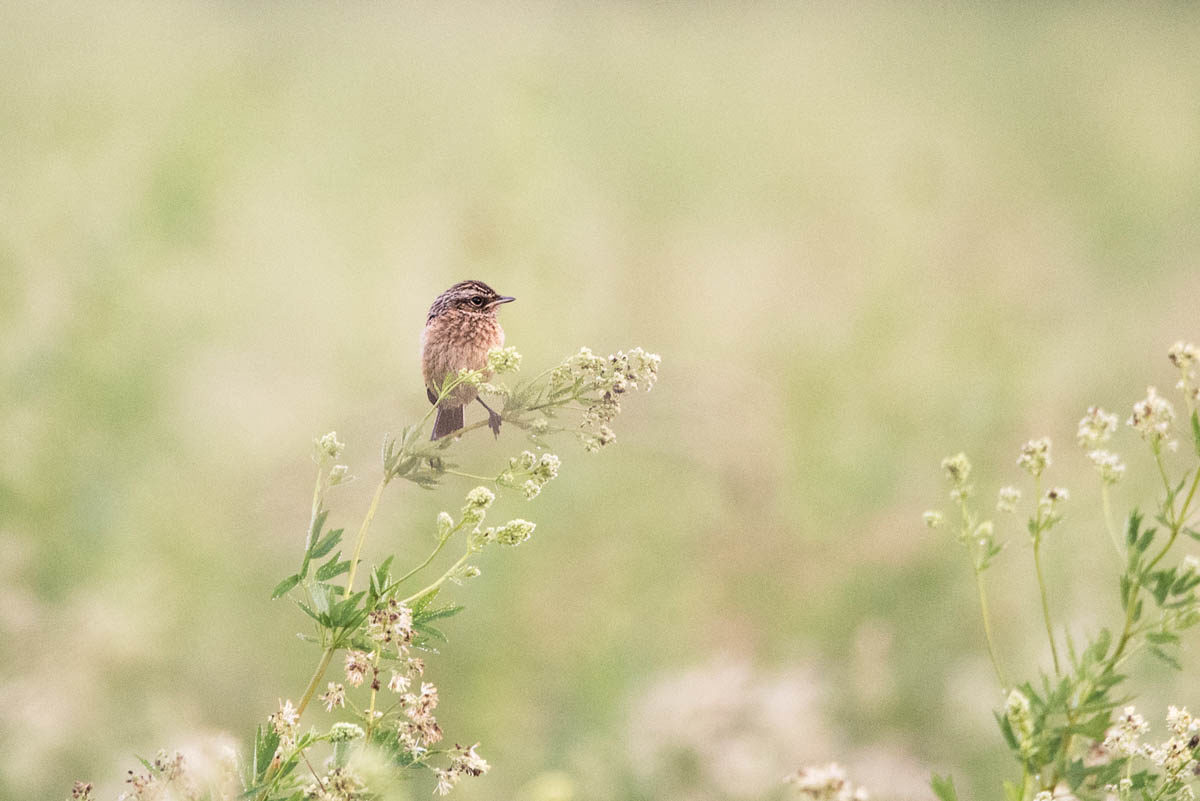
378	633
1071	730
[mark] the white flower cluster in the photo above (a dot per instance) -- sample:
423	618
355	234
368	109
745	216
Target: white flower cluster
1096	427
503	360
530	472
599	383
958	470
1035	456
827	783
1174	756
1007	499
327	447
1152	417
1186	356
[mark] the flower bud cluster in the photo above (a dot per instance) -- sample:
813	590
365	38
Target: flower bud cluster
1020	720
503	360
530	472
327	448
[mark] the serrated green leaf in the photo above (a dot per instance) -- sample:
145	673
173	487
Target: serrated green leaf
424	601
282	587
430	631
327	542
943	787
433	614
266	742
332	568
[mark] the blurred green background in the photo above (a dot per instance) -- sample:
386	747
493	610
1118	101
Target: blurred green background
861	237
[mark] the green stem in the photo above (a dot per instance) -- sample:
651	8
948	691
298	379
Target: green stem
421	593
313	683
441	544
1037	564
987	629
1108	521
362	535
471	476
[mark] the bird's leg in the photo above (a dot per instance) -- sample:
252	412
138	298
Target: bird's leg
493	418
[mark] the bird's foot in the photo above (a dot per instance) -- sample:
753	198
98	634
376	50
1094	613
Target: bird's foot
494	422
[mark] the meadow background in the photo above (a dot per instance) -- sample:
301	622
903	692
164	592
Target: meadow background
861	237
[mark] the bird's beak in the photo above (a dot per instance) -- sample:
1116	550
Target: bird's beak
500	300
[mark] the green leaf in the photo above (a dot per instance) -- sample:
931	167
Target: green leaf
327	542
433	614
332	568
1165	657
1161	637
318	523
430	631
266	741
1196	430
282	587
320	598
943	787
424	601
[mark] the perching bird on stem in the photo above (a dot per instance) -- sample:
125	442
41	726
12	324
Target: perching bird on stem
461	328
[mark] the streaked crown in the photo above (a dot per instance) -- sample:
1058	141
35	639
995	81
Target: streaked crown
473	297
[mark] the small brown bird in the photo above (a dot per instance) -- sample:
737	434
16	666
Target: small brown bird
459	331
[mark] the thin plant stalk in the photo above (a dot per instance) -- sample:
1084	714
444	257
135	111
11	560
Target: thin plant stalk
987	629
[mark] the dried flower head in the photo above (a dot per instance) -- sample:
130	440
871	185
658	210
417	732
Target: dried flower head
334	696
357	665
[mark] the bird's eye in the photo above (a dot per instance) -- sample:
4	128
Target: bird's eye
477	301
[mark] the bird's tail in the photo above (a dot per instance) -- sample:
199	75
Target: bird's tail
449	419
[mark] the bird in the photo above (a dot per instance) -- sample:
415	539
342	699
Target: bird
460	329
